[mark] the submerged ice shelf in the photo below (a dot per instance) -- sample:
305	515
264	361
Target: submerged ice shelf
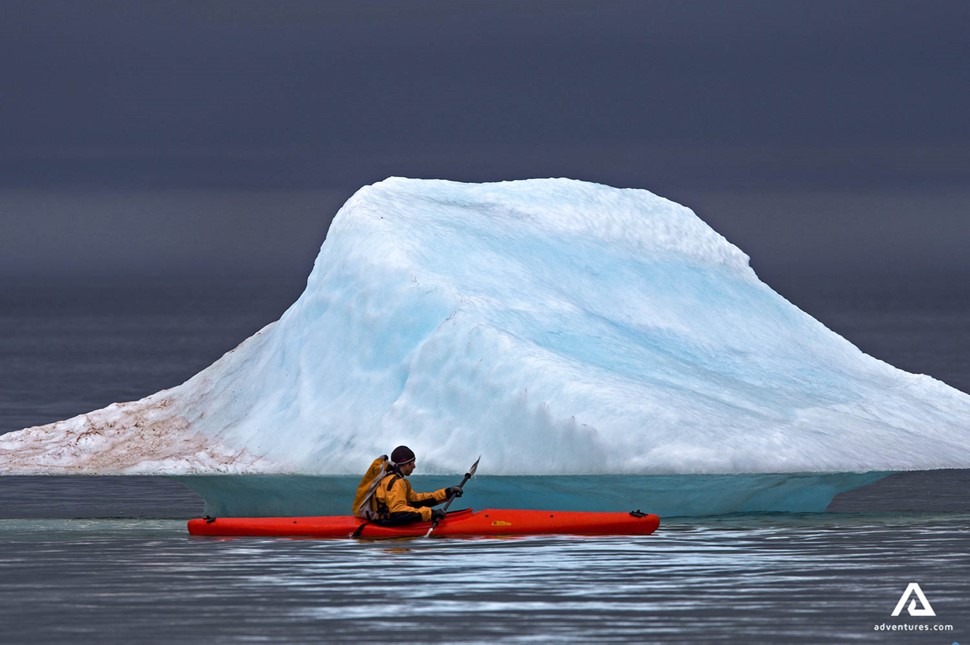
560	329
664	495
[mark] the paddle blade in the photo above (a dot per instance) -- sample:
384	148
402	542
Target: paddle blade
474	467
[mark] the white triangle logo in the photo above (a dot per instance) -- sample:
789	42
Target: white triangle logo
924	610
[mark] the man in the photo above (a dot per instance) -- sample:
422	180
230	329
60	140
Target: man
396	503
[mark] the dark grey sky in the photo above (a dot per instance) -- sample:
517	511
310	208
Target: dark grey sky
170	138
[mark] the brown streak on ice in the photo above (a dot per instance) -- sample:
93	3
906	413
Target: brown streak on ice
140	437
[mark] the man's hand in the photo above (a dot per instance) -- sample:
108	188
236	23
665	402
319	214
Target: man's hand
437	515
454	491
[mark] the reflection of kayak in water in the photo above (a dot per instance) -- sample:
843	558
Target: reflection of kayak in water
464	523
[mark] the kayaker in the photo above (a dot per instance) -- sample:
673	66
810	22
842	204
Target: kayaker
396	503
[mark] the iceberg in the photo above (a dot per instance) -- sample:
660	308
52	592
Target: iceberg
565	331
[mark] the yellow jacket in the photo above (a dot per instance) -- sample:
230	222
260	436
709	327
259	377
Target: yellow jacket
396	502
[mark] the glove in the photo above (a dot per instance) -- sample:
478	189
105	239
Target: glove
437	515
454	491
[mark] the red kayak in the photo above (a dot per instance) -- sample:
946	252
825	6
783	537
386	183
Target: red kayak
465	523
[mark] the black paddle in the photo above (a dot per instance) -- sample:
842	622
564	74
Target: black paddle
468	475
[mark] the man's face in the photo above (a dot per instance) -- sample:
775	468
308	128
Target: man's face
407	469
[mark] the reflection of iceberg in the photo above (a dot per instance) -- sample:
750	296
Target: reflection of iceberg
555	327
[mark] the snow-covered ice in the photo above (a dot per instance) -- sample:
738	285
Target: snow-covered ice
553	326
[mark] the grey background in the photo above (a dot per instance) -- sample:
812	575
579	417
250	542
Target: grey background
210	141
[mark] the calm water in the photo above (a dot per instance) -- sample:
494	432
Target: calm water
109	560
804	579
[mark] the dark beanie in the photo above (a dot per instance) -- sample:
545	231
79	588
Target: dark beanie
402	455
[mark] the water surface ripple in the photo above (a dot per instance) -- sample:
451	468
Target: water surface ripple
774	578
